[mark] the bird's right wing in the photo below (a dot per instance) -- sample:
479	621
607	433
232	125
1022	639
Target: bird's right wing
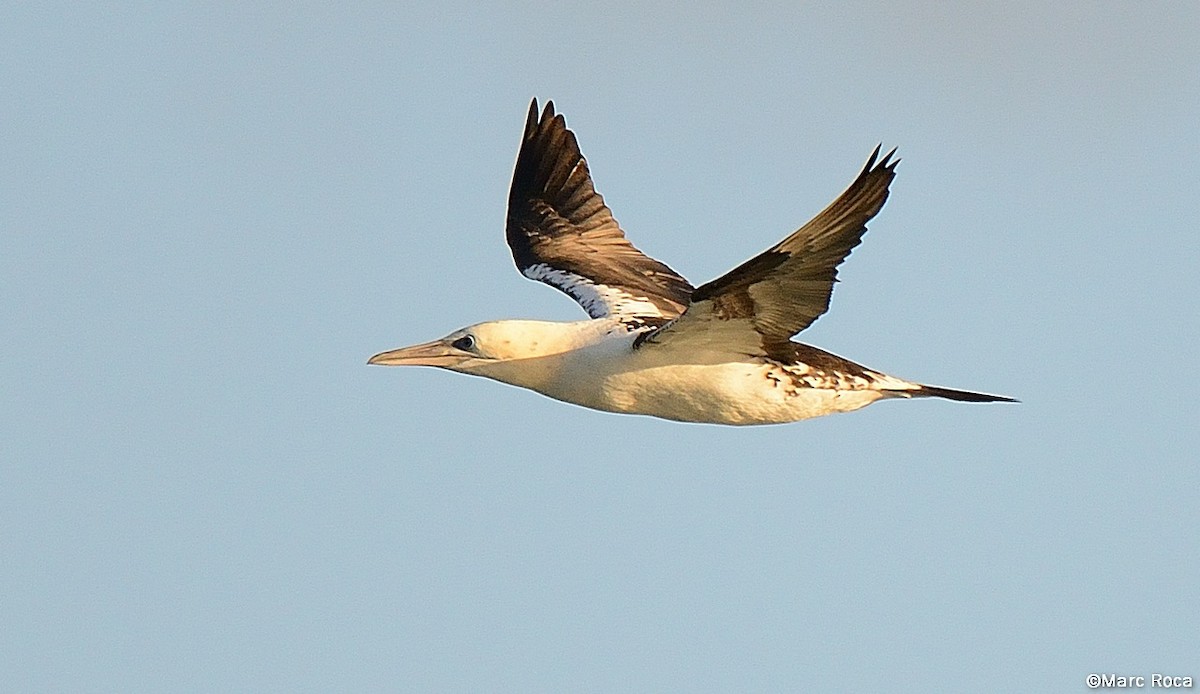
561	233
756	307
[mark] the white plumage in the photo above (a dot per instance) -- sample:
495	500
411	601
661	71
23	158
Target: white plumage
656	345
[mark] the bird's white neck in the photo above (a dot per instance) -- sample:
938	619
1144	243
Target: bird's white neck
534	354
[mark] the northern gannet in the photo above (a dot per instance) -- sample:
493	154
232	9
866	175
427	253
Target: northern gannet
719	353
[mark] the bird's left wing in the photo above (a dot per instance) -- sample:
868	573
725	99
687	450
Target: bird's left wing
756	307
561	233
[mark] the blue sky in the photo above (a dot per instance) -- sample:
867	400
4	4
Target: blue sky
210	216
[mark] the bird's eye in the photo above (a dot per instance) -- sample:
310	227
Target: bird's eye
465	343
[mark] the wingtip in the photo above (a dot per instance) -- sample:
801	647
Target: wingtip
535	121
531	118
887	162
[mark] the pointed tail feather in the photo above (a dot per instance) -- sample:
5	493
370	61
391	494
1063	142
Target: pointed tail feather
960	395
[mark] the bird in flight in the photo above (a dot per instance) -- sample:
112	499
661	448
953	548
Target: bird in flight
655	345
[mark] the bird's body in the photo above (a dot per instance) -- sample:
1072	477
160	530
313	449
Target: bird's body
719	353
593	363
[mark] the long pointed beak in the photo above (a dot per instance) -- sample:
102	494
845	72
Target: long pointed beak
436	353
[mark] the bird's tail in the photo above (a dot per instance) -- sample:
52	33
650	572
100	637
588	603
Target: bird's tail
959	395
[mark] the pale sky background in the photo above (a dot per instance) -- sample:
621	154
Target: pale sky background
210	216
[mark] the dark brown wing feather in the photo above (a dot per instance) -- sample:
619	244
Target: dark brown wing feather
781	291
561	232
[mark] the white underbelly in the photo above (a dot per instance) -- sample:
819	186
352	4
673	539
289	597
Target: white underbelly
728	393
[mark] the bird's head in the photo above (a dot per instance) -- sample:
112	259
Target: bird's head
477	347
